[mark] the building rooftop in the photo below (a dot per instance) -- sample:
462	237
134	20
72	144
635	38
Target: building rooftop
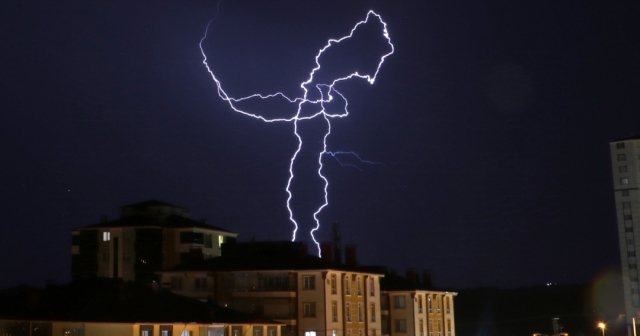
171	221
269	256
112	300
151	203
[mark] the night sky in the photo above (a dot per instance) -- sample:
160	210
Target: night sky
491	121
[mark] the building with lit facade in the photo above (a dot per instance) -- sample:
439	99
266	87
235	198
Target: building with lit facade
148	237
411	307
625	162
311	296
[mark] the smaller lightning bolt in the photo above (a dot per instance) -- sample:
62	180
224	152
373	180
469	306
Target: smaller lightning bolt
335	156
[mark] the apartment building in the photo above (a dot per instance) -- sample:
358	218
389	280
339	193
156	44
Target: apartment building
625	162
106	307
311	296
411	307
148	237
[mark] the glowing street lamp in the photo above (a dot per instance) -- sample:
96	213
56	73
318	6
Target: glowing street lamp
602	326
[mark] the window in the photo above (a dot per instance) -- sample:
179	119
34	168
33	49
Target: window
165	330
448	307
334	311
146	330
201	283
105	256
437	299
439	329
208	241
429	304
334	289
334	332
69	332
449	327
625	193
271	331
176	283
399	301
620	145
372	287
624	180
106	236
400	325
309	282
421	327
309	333
430	327
347	289
626	205
633	266
347	312
220	241
257	331
360	317
628	229
186	333
419	303
358	286
187	237
372	311
309	309
631	253
622	169
627	217
622	157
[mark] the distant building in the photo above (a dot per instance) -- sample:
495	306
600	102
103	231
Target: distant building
278	280
104	307
148	237
411	307
625	162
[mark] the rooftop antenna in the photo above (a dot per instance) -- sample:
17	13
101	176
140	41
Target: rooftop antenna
337	242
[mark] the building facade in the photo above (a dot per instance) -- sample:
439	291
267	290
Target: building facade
148	237
309	295
625	162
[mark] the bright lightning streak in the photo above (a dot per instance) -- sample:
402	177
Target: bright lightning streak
300	101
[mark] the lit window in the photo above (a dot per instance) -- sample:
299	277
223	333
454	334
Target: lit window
429	304
309	282
624	180
622	169
309	309
309	333
334	289
187	333
106	236
622	157
220	241
399	301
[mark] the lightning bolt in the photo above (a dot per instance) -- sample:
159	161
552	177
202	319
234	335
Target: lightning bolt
329	89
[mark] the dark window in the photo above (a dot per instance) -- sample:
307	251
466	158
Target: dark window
622	169
627	217
309	309
400	326
620	145
191	238
625	193
631	253
622	157
399	301
309	281
628	229
208	241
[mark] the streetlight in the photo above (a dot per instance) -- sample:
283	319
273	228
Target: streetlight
602	326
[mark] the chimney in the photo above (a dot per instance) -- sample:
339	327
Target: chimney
103	218
426	278
351	255
412	276
326	249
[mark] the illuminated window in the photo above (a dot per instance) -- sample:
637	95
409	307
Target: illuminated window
187	333
309	282
372	309
106	236
624	180
334	289
309	333
220	241
429	304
